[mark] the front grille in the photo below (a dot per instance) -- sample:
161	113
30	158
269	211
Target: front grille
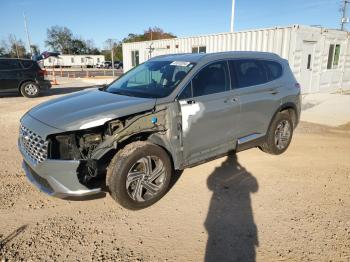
33	145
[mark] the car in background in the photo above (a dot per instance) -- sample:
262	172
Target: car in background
99	65
118	64
107	64
22	76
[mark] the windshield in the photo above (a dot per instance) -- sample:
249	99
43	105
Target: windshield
153	79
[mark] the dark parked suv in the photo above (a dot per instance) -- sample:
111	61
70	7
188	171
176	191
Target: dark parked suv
167	114
22	75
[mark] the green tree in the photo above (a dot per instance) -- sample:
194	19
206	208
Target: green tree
35	49
154	33
59	39
78	47
2	51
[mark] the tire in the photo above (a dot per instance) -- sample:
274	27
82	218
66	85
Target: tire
30	90
129	182
279	135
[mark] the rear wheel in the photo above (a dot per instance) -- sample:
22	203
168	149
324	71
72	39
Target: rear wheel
139	175
30	89
279	134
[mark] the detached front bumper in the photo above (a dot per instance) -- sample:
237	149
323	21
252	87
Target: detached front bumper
59	179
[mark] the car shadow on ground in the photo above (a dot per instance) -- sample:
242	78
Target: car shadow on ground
11	236
232	233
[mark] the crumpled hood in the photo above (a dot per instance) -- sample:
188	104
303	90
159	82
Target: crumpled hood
87	109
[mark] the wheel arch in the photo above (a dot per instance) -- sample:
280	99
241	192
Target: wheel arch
292	110
151	137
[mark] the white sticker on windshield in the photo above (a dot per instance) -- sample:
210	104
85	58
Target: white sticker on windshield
180	63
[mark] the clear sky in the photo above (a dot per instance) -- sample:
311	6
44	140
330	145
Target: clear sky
102	19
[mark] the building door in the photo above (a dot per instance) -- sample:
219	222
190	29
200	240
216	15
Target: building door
307	61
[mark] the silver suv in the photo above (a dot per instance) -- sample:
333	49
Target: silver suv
167	114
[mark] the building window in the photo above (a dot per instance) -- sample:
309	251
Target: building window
50	60
333	56
176	46
308	62
199	49
82	60
135	61
168	47
72	60
98	59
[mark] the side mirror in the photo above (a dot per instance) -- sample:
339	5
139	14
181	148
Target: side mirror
102	87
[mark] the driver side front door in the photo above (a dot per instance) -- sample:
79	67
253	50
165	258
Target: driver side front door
209	111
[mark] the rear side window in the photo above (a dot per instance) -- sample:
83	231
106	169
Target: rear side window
247	72
27	64
274	70
211	79
10	64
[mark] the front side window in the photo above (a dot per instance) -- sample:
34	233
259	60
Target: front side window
212	79
247	72
186	92
153	79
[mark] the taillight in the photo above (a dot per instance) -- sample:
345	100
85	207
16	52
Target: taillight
297	85
42	73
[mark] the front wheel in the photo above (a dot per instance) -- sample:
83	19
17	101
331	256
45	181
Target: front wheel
139	175
30	89
279	134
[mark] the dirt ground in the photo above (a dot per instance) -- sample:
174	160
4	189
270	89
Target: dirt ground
253	207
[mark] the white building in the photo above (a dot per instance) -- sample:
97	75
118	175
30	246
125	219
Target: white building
319	57
74	61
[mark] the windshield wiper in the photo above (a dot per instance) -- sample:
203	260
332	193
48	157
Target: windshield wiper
122	92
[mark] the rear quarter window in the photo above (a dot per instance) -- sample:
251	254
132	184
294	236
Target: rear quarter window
27	64
274	70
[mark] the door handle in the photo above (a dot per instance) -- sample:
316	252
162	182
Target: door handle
274	91
231	100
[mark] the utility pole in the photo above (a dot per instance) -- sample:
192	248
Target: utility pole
232	16
345	18
27	32
111	45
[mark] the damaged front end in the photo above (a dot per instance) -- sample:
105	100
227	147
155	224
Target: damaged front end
76	161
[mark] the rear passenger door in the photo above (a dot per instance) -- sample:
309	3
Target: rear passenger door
208	113
10	75
256	83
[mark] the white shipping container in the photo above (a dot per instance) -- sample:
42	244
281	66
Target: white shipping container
319	57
